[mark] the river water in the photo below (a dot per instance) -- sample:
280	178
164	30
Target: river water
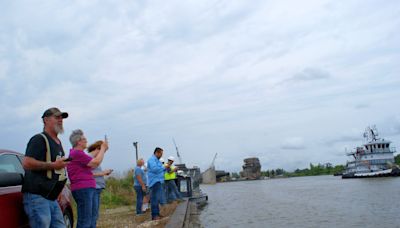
321	201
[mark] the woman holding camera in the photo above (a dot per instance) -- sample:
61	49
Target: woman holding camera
83	184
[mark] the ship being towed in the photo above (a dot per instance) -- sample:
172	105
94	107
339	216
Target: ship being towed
374	159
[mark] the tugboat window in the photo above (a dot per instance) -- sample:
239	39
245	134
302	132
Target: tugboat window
379	145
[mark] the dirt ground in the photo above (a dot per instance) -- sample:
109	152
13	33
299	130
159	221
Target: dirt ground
126	217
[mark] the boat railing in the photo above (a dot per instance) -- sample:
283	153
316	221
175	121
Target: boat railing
359	163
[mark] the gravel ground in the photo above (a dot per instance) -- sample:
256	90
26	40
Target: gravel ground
126	217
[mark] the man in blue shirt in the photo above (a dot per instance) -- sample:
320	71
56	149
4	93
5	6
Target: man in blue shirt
155	172
139	184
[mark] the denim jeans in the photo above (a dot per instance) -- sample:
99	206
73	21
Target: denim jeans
156	192
96	204
84	199
42	212
172	191
163	199
139	199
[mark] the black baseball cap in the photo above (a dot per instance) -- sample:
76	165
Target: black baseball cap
54	112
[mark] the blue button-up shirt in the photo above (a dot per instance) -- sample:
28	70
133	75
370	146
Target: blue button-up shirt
155	171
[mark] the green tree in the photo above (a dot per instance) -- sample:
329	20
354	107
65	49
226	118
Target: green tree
279	172
235	175
397	159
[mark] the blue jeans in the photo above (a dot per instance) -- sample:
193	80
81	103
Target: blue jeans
84	199
163	199
172	191
156	192
96	204
42	212
139	199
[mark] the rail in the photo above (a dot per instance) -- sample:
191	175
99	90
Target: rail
180	217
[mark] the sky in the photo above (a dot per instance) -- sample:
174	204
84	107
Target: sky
289	82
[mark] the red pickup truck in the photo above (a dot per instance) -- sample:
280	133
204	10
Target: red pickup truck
11	207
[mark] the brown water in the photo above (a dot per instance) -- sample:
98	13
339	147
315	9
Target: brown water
322	201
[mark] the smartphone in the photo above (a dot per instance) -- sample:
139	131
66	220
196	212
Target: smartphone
68	159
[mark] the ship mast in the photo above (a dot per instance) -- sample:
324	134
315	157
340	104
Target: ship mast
371	134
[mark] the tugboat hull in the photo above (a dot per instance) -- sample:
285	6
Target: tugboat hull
384	173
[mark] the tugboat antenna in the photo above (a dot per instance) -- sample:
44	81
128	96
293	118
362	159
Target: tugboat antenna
371	133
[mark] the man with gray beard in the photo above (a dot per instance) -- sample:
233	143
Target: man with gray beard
45	177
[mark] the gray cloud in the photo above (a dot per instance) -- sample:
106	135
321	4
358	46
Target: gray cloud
306	75
362	106
294	143
391	126
310	74
344	139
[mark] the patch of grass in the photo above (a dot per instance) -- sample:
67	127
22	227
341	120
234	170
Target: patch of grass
118	192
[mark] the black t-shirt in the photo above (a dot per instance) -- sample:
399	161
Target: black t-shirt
36	149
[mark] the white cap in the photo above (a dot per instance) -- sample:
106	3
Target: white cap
161	160
171	158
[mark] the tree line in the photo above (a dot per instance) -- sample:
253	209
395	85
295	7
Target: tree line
313	170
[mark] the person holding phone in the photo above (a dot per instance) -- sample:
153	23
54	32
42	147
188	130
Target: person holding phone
42	211
98	174
83	184
155	171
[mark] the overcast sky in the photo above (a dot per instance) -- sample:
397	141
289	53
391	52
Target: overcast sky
290	82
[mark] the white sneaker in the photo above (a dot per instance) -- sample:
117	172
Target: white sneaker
145	207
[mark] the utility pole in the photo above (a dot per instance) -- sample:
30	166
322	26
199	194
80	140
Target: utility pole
135	144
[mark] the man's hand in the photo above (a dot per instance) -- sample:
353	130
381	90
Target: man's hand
59	163
30	163
143	188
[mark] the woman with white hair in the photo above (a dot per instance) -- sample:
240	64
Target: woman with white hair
83	184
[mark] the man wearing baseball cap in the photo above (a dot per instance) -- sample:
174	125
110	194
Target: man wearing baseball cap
54	112
45	177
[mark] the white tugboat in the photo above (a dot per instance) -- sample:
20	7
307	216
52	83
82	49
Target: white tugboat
374	159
